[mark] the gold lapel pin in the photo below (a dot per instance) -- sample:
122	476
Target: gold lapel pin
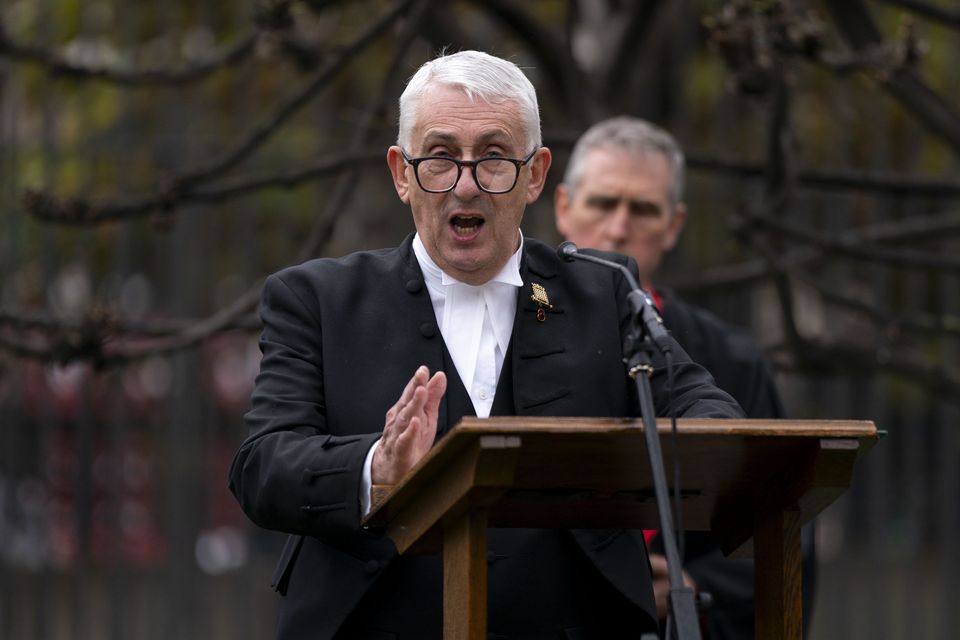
540	297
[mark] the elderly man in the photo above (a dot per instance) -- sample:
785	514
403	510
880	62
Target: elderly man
623	192
370	358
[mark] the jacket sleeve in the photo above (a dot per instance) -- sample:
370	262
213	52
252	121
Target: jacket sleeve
291	474
695	394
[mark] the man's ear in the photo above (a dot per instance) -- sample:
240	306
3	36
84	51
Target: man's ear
677	220
398	170
561	209
539	166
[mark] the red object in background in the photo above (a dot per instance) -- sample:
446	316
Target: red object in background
231	363
123	524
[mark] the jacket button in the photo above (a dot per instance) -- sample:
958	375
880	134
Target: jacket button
428	329
371	567
414	286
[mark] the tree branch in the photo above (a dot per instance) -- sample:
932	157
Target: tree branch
834	178
324	225
824	357
106	343
886	182
100	339
57	64
913	229
890	323
556	62
83	212
932	110
853	248
948	17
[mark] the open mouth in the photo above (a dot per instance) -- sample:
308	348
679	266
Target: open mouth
466	226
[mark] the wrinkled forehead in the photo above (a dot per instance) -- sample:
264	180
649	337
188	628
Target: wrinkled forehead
454	115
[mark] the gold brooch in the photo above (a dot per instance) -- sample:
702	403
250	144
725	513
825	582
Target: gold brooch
540	295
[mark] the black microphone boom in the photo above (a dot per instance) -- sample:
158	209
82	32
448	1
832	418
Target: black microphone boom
640	303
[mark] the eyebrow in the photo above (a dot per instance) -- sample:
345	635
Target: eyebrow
600	198
498	136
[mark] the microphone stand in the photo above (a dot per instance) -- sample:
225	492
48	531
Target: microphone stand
646	334
681	607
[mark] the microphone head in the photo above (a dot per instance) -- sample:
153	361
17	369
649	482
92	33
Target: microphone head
566	251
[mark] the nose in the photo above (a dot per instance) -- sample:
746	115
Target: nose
617	227
466	186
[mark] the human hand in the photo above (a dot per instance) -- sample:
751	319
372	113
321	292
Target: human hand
410	427
661	583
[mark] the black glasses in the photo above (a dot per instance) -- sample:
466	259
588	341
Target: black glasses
439	174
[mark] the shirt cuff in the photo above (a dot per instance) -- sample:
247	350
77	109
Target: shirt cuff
366	480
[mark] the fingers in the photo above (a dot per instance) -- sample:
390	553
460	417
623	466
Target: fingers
413	408
395	413
410	426
658	564
436	387
419	379
661	582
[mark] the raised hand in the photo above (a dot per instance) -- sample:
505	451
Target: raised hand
410	427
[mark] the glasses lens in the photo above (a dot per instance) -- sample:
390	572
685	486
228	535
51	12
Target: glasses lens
437	174
496	175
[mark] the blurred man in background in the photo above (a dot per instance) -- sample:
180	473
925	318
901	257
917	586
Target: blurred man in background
623	191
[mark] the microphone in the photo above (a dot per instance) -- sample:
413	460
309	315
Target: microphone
640	303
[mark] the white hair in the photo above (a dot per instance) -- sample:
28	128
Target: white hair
479	75
636	138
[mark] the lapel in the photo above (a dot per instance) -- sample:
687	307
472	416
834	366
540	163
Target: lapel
544	377
539	335
421	323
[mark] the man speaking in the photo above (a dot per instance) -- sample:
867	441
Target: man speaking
370	358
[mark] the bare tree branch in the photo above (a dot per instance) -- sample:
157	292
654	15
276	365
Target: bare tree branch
57	341
261	132
834	178
623	62
878	59
322	168
99	338
555	58
107	343
913	229
779	183
890	323
931	110
58	65
80	211
323	227
948	17
853	248
826	357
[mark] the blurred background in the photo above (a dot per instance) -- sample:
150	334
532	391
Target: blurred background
158	159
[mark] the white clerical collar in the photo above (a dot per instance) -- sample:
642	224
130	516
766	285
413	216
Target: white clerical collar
476	322
434	275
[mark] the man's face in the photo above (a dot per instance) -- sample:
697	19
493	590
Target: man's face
622	205
470	234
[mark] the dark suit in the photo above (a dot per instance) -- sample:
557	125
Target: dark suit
341	339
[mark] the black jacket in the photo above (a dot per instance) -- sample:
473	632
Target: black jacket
343	336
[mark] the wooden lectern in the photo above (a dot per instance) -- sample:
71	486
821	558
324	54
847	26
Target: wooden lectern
747	481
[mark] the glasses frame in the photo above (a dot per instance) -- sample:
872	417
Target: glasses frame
517	162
